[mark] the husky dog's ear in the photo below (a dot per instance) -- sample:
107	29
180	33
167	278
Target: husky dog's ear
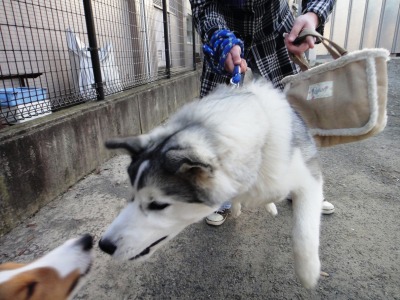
185	161
134	144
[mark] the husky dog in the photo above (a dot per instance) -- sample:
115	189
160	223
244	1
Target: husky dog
244	145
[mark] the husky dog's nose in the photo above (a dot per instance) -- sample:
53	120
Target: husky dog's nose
107	246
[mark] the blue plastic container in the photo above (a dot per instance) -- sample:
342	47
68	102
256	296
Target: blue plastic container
21	95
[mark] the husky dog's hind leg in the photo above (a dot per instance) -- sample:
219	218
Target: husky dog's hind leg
307	205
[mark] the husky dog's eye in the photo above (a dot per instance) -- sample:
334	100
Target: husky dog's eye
157	205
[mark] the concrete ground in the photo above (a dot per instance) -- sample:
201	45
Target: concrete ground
249	257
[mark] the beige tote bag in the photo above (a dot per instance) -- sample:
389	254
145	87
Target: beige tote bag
343	100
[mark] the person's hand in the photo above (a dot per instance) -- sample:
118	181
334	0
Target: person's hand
233	58
308	20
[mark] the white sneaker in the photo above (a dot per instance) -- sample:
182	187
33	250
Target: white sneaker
327	208
217	218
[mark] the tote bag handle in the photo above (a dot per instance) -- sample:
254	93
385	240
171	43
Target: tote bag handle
334	49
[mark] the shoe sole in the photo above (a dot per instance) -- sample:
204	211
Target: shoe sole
215	223
328	211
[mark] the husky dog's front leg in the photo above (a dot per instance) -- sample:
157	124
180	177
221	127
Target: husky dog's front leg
307	205
271	208
236	209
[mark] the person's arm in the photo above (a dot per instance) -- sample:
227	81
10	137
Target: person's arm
315	14
321	8
208	19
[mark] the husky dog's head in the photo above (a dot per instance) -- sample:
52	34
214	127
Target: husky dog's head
173	187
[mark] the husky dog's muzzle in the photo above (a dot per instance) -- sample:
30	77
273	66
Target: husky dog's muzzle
108	247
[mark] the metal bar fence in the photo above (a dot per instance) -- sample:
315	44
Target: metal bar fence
166	41
48	56
94	51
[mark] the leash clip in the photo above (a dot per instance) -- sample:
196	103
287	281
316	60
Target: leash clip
237	77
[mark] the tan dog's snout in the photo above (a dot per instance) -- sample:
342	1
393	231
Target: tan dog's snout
55	276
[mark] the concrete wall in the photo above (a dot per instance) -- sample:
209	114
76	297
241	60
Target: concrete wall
42	158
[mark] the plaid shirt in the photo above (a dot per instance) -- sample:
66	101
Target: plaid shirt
260	24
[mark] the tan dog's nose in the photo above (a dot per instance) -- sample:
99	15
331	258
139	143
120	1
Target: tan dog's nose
86	242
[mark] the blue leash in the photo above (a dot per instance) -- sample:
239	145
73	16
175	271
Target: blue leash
221	43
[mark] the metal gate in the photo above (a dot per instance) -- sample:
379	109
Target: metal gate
358	24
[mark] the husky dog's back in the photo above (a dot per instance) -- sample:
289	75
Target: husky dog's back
244	145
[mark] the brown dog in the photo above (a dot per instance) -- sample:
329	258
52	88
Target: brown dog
55	276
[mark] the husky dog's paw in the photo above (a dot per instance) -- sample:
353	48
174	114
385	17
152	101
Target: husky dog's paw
236	210
271	208
308	271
